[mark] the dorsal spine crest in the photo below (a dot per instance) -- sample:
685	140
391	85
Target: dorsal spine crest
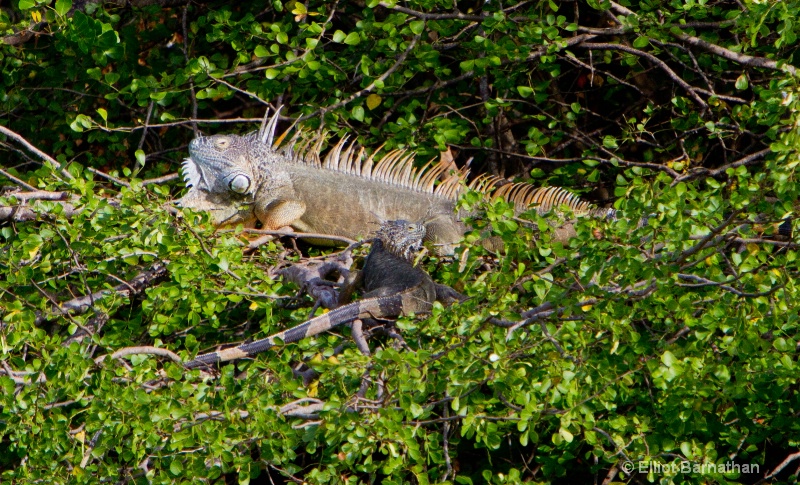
396	167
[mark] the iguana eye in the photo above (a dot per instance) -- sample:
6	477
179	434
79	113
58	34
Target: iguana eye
240	184
222	143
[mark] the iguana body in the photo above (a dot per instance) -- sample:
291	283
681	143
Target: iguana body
393	285
244	179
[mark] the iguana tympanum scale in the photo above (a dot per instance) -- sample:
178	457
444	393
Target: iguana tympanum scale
393	286
242	179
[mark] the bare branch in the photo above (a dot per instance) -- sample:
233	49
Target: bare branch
784	464
146	350
655	60
17	181
22	213
744	161
434	16
160	180
736	56
703	282
47	158
83	304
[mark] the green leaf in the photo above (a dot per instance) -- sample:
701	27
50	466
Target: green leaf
417	26
261	51
782	345
373	101
80	123
525	91
641	42
339	36
741	82
140	157
299	9
62	6
176	467
26	4
352	39
609	141
103	114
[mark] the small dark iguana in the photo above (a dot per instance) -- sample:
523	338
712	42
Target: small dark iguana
244	179
393	285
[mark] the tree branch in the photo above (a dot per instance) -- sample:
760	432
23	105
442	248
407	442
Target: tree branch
82	304
736	56
47	158
147	350
655	60
357	94
434	16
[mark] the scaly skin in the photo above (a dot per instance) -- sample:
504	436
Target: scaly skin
244	179
393	285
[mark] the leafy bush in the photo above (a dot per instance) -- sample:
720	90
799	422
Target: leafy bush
657	347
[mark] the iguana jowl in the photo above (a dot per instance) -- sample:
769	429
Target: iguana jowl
393	285
241	179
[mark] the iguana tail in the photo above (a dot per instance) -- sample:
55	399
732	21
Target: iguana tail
394	305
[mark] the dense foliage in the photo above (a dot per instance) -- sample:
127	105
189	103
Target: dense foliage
659	347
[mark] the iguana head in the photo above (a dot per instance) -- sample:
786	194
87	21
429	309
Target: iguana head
401	238
221	177
221	163
225	172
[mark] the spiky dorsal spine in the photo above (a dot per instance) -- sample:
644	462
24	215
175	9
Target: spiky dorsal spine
397	168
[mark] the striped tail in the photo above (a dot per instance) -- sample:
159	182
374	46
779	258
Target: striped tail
378	307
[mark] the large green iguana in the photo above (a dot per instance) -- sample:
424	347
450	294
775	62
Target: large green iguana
242	179
393	286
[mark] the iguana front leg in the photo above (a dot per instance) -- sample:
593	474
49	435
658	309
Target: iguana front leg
281	213
354	281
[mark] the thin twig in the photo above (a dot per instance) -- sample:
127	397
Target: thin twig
367	89
655	60
784	464
434	16
299	235
17	181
